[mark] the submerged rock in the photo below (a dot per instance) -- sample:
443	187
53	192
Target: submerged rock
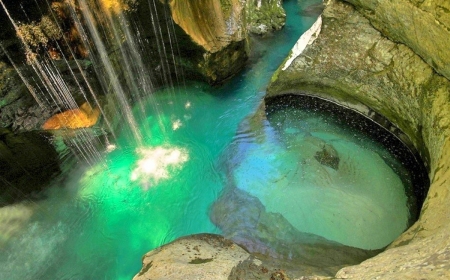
270	236
328	156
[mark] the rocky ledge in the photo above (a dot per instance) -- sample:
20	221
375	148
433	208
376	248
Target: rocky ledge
209	256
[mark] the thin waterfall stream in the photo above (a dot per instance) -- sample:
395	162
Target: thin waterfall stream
186	155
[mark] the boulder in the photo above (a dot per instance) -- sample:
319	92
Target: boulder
211	256
204	256
328	156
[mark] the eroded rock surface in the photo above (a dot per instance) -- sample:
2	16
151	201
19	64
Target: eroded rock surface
210	256
422	25
353	63
217	29
205	256
270	236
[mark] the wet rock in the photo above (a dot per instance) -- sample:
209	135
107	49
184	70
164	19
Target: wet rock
19	109
27	162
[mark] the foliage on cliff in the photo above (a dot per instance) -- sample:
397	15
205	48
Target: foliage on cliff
263	16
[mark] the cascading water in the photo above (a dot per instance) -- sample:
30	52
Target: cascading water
177	155
109	40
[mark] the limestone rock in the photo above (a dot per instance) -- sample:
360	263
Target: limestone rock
218	32
18	110
204	256
424	26
264	16
353	63
361	67
210	256
244	220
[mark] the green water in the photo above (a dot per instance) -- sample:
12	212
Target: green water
98	221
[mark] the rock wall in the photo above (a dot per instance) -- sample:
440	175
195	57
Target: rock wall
353	63
218	29
27	163
422	25
263	16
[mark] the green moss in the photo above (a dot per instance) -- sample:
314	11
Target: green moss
226	7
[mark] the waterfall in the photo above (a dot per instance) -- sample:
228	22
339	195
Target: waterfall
112	41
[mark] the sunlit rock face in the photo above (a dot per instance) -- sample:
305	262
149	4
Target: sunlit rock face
352	63
218	28
210	24
82	117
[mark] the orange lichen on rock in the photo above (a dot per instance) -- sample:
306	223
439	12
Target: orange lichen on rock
85	116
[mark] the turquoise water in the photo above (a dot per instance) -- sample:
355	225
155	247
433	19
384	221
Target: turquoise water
98	221
324	178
